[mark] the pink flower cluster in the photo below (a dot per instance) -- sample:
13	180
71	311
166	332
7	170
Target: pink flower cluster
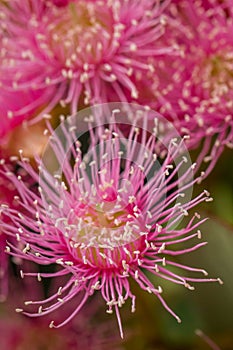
81	53
105	201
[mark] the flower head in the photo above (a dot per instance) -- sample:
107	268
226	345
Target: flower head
107	215
195	89
79	52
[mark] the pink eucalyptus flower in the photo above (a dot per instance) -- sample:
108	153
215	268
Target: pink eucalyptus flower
195	89
105	217
79	52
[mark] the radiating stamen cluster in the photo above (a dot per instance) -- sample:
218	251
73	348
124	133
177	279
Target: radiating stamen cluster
106	216
80	53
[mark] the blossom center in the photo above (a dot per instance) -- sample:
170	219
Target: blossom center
217	74
80	32
100	232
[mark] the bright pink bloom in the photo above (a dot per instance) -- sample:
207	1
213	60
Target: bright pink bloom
79	52
108	218
195	89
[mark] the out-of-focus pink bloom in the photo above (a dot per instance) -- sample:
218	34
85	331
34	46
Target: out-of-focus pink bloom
60	3
79	53
195	89
16	107
20	332
12	138
29	138
108	218
7	193
3	268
